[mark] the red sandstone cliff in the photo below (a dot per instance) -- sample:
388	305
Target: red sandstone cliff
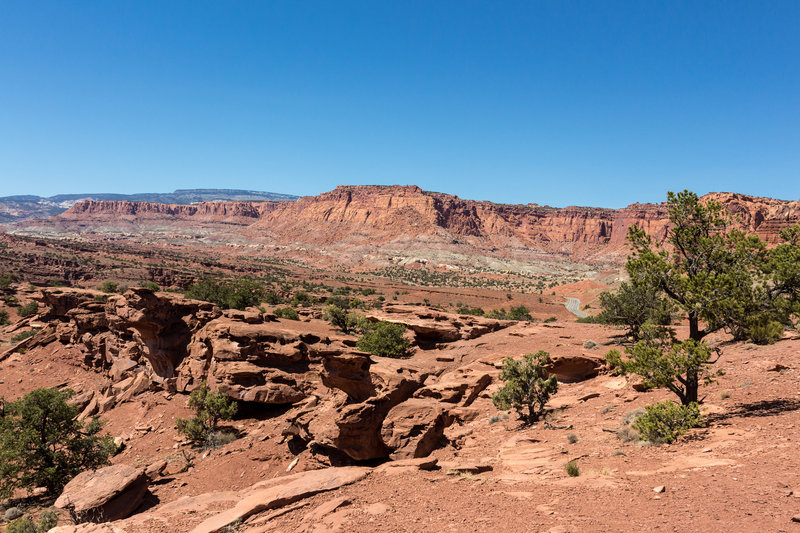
236	212
381	214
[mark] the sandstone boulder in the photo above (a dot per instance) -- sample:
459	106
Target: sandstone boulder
111	493
415	427
353	427
572	368
461	386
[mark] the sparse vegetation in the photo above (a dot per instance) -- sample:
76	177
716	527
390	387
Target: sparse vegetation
210	408
664	422
29	309
633	305
466	310
235	294
21	336
384	339
302	299
47	521
528	386
765	331
4	319
6	280
42	444
289	313
572	469
109	287
519	312
345	321
152	285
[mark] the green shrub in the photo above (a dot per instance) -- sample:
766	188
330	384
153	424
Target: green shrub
346	322
633	305
21	525
152	285
236	294
272	298
19	337
56	283
550	319
301	299
4	320
218	439
528	385
101	298
519	313
338	301
384	339
29	309
572	469
288	313
109	287
6	280
664	422
11	300
466	310
765	331
47	521
42	444
597	319
210	408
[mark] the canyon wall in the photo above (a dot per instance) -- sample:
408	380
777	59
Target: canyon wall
381	214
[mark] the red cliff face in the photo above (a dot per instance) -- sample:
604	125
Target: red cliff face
359	215
240	212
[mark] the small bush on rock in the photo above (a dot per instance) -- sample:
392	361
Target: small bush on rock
288	313
664	422
384	339
109	287
47	521
528	385
29	309
6	280
4	320
210	408
341	319
519	313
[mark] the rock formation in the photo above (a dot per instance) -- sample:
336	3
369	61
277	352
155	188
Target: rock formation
377	214
103	495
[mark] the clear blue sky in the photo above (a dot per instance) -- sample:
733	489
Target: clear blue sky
557	102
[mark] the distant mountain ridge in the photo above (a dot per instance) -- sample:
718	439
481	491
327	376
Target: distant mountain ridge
22	207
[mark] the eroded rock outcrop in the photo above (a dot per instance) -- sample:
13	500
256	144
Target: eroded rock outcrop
253	359
347	403
104	495
432	327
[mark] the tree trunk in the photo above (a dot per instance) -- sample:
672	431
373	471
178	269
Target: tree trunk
694	327
691	387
